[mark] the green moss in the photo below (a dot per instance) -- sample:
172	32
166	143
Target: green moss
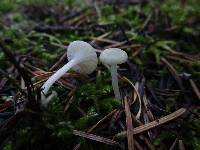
7	5
164	136
183	13
86	120
96	98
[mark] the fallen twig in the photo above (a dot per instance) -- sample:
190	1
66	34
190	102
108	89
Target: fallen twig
174	144
138	95
94	126
22	72
174	73
181	145
154	124
58	62
68	104
177	78
95	137
195	88
129	125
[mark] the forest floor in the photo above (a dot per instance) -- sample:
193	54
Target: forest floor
159	84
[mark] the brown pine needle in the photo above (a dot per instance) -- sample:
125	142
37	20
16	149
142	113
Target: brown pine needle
129	125
181	145
68	104
102	120
103	35
139	98
106	41
154	124
116	44
58	62
95	137
195	88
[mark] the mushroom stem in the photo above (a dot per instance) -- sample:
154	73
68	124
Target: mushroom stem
113	69
47	85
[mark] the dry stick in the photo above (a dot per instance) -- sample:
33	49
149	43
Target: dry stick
195	88
116	44
183	55
176	77
102	120
59	45
58	62
71	93
141	136
135	95
149	113
129	125
154	124
106	41
22	72
174	144
181	60
68	104
102	36
77	146
94	126
139	98
146	21
131	46
174	73
78	18
138	146
181	145
95	137
148	143
47	74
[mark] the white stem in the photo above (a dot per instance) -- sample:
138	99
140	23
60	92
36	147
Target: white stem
47	85
115	85
46	100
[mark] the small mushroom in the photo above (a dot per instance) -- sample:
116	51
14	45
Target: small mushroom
82	58
113	57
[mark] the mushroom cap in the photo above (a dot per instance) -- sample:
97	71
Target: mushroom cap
85	54
113	56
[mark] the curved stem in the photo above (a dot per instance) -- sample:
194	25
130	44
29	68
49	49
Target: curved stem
115	85
47	85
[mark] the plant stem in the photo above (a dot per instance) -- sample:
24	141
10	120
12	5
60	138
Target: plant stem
47	85
115	85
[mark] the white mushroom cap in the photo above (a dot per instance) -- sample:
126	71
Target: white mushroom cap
85	54
113	56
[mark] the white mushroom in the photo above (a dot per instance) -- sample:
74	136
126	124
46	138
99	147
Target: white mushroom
113	57
82	58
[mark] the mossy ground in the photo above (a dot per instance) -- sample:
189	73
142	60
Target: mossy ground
35	32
